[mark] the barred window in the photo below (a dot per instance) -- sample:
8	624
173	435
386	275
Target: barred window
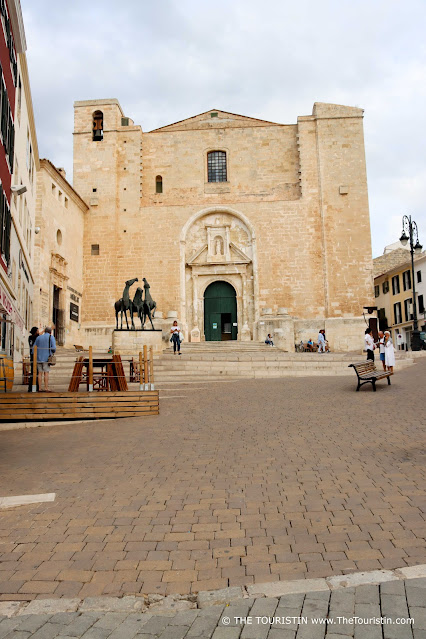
216	166
158	184
5	226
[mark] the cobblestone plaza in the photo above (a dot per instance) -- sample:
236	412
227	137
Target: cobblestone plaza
234	484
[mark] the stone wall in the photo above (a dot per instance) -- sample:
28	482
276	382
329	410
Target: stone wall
295	203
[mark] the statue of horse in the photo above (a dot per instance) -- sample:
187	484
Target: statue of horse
124	304
149	306
137	304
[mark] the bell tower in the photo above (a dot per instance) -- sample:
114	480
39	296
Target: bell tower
107	160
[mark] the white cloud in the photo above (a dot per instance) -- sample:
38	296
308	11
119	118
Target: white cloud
169	60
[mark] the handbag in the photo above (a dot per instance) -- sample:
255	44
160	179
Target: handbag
180	337
51	360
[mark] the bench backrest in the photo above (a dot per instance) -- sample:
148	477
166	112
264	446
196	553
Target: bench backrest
364	367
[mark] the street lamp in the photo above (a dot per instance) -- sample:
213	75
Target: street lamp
410	233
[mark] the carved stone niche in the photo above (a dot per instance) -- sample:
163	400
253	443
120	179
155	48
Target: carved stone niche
58	270
218	243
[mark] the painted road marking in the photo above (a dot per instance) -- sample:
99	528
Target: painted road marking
22	500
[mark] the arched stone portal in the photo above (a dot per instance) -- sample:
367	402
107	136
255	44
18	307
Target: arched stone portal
218	245
220	312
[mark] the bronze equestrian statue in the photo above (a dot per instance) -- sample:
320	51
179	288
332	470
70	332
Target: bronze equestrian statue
137	304
149	306
124	304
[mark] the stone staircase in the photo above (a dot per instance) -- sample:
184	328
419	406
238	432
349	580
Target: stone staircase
224	361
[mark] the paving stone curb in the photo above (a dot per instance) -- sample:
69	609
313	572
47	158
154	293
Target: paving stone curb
157	604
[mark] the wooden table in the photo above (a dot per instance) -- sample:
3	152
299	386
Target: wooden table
100	379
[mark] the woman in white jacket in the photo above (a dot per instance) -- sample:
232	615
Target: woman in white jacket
389	352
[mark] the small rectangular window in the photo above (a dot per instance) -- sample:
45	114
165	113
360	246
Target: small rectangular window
385	287
376	291
406	279
95	249
124	121
407	309
395	284
421	304
397	313
214	114
419	277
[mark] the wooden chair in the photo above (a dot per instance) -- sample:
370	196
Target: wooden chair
26	371
77	375
3	378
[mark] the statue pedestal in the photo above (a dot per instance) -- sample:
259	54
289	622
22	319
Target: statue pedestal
132	342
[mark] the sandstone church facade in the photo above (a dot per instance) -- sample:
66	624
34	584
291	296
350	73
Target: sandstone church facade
242	227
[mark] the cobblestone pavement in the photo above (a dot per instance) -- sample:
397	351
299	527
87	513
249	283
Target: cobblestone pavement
240	483
393	610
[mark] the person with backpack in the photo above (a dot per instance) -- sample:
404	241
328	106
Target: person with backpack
34	333
46	347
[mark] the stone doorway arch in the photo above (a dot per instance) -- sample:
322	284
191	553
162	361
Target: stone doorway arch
218	244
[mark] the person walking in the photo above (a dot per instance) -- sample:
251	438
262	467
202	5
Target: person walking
175	338
326	346
389	352
382	348
46	346
34	333
369	344
321	342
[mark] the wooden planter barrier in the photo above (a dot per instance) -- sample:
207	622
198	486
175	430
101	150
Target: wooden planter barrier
114	400
82	405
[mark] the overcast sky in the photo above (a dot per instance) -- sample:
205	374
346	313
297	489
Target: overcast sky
171	59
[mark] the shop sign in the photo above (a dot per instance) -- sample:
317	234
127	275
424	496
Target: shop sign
8	307
74	312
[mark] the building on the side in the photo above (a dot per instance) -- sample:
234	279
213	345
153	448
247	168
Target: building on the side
240	225
15	243
58	254
24	191
393	290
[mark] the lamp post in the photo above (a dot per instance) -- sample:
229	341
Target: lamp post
410	233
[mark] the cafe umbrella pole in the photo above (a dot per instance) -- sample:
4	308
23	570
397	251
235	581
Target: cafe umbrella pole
90	369
34	385
145	367
141	388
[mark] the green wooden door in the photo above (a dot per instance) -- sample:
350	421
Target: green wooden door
220	310
215	327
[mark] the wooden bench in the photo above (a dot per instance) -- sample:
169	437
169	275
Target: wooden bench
367	372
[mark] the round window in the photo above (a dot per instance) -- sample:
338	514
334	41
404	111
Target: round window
59	237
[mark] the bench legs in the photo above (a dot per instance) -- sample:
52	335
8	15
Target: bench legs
372	382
